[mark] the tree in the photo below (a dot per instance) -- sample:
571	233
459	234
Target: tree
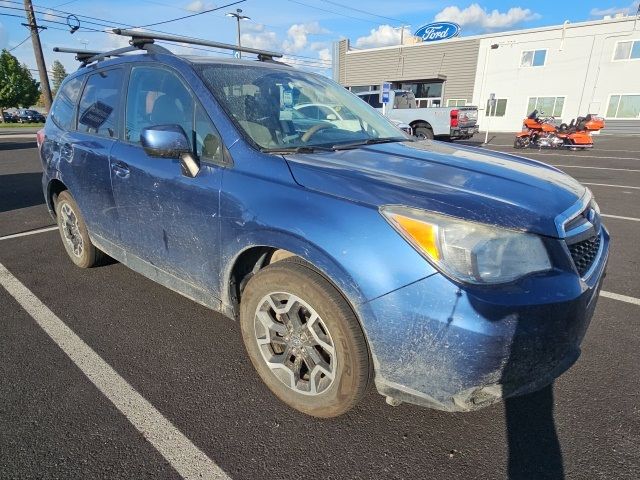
29	88
59	74
17	86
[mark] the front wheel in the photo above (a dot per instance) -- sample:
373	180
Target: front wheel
519	143
304	340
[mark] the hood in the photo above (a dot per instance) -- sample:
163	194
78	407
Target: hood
464	182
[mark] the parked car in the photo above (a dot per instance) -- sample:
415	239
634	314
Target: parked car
447	276
448	123
8	117
29	116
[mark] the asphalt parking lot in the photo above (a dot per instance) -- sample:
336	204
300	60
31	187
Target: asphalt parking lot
203	410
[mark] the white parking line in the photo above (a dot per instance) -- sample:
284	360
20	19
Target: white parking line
595	168
631	219
188	460
560	155
621	298
605	149
30	232
31	136
609	185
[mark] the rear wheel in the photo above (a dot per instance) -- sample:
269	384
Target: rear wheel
423	131
74	234
304	340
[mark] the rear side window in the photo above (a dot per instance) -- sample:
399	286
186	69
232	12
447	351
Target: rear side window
64	107
99	112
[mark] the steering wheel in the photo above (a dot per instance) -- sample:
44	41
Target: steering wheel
315	129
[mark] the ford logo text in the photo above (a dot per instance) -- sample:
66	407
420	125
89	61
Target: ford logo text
433	32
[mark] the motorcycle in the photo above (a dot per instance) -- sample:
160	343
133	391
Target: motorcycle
540	132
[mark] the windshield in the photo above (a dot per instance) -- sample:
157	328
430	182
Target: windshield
284	109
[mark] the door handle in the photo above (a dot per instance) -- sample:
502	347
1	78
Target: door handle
120	169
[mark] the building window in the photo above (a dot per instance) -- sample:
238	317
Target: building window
627	50
546	105
624	106
363	88
498	110
533	58
456	102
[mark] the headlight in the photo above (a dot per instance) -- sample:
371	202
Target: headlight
468	251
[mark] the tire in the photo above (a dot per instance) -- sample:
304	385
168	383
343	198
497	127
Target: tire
519	143
423	132
74	234
336	350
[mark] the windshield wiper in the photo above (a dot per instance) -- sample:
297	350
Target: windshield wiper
370	141
299	149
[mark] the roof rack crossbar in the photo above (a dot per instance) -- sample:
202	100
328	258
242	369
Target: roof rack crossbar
136	36
81	55
112	53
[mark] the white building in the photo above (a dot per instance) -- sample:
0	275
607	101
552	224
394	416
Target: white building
564	71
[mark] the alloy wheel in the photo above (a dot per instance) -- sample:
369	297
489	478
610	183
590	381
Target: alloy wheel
71	230
295	343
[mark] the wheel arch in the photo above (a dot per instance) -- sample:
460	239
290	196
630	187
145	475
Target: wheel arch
421	123
54	188
245	262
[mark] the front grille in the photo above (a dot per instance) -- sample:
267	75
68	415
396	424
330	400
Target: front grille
584	253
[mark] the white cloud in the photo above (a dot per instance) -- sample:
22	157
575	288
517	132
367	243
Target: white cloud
601	12
199	6
475	16
264	40
297	36
383	36
325	55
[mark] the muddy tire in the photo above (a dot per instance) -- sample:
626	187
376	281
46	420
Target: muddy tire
74	234
304	339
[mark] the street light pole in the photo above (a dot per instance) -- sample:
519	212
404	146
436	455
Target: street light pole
495	46
238	16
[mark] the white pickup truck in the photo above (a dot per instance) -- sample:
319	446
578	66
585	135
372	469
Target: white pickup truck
449	123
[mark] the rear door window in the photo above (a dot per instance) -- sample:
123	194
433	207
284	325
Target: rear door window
99	104
64	107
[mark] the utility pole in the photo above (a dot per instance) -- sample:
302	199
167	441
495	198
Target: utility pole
238	16
37	50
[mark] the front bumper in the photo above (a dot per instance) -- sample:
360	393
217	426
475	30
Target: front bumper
451	348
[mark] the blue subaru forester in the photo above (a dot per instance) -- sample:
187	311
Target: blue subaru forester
448	276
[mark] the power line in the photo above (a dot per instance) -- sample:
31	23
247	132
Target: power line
337	4
192	15
13	48
109	24
334	12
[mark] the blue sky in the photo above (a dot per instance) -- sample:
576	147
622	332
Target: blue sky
304	29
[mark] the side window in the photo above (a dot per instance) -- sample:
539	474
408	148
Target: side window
157	97
206	139
64	107
98	112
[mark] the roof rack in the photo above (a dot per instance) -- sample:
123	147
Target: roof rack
145	41
141	38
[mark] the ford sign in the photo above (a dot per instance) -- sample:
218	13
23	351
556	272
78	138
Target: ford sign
432	32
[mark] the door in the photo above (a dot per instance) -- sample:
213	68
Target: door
167	219
85	151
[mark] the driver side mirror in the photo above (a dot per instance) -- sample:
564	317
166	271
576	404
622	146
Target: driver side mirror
170	141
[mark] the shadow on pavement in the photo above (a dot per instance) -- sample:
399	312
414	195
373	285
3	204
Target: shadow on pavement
17	145
20	190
